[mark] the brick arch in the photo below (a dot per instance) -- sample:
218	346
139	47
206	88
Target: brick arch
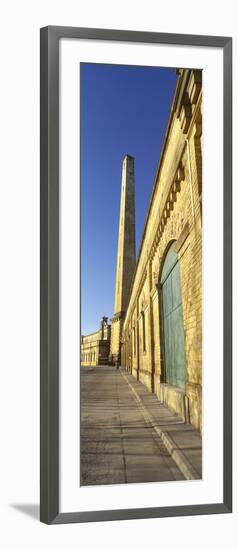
158	272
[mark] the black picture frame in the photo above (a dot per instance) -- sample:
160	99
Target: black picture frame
49	274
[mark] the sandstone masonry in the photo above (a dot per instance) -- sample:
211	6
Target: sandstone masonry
174	221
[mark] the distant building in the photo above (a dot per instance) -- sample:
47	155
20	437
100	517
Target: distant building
95	347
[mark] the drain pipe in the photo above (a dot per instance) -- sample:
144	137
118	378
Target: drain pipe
186	410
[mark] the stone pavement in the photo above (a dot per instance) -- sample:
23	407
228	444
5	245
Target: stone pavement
128	436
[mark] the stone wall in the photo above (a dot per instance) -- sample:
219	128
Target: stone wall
95	347
174	218
117	323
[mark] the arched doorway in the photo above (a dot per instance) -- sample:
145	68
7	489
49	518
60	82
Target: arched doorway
172	321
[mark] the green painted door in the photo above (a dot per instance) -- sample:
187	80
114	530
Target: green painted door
173	328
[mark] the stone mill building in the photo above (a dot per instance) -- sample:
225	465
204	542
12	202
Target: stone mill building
156	330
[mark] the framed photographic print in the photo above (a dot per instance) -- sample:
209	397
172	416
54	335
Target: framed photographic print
136	275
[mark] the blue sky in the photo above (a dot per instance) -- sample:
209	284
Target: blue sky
124	110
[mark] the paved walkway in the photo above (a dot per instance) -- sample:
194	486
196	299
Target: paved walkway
128	436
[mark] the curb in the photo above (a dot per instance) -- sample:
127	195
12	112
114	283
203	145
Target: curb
175	452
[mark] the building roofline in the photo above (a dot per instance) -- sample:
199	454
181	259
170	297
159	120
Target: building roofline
89	334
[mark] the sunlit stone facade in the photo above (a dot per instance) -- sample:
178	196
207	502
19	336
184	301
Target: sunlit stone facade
95	347
162	331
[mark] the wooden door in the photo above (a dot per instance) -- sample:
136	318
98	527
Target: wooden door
172	318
